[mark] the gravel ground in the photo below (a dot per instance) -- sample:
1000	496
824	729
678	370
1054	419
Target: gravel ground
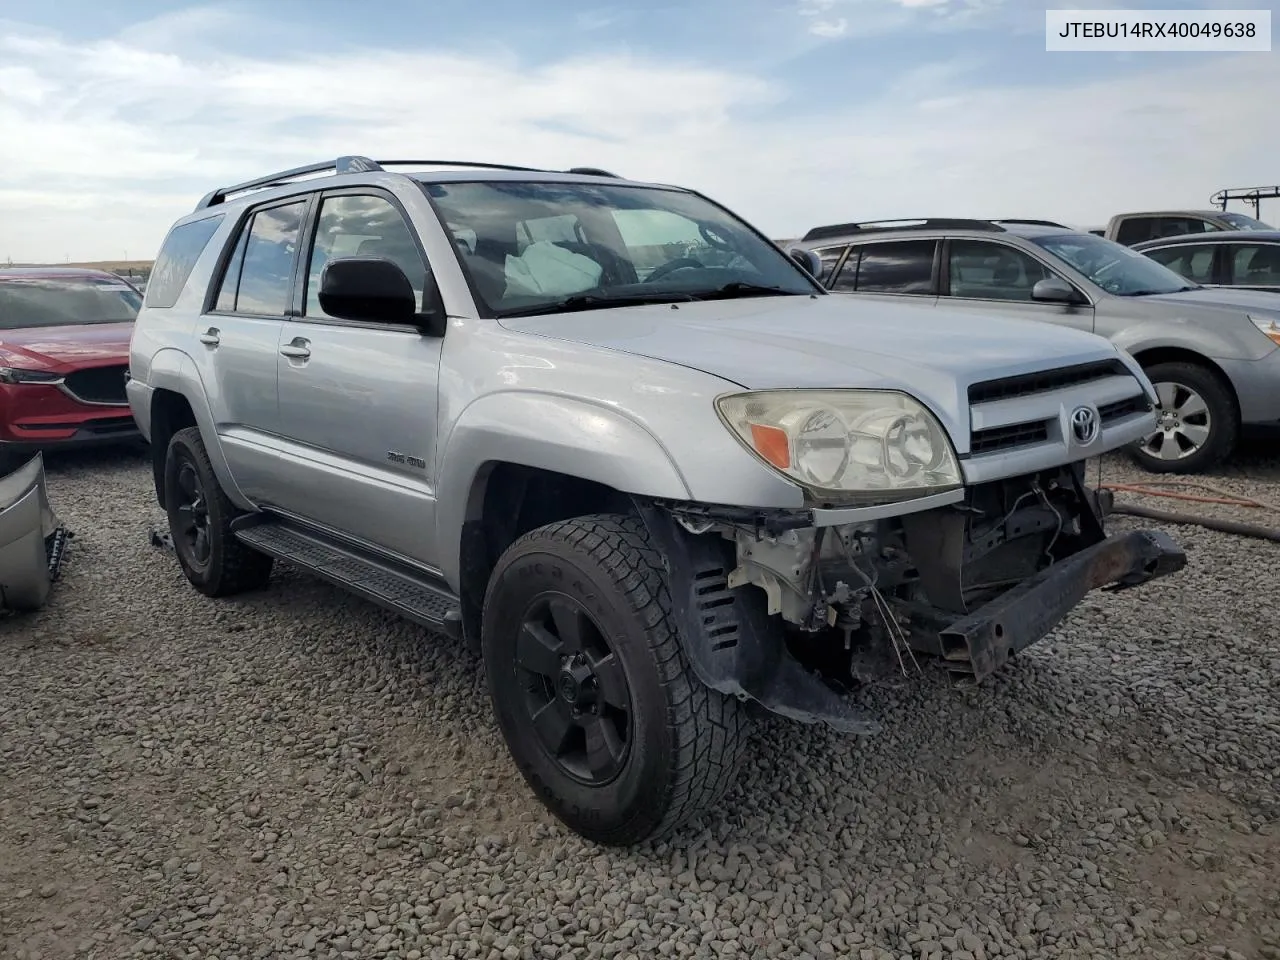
297	774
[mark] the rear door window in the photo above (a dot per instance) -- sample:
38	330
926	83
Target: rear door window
896	266
1191	260
259	278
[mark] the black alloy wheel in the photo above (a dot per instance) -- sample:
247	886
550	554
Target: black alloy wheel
191	516
200	518
576	695
592	691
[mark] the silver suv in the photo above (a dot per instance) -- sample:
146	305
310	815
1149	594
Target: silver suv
1213	354
611	435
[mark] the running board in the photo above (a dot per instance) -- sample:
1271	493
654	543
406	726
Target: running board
388	584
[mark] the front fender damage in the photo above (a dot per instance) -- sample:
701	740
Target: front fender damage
727	635
33	541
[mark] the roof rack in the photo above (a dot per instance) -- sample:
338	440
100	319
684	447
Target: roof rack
1032	223
1250	195
911	223
593	172
354	164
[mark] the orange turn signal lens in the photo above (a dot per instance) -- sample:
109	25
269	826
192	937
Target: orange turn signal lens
1268	327
772	444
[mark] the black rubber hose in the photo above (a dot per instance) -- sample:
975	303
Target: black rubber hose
1211	523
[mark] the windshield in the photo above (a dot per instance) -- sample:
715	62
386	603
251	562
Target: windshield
1115	268
59	301
538	247
1240	222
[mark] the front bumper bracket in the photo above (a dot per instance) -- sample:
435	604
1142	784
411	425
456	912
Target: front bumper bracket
989	636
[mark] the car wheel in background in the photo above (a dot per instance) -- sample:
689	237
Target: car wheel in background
1198	423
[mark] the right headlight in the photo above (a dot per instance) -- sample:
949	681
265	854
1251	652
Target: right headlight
853	446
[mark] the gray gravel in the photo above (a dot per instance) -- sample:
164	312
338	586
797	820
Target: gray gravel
295	774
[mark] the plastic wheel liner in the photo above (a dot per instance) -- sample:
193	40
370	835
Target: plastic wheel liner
32	539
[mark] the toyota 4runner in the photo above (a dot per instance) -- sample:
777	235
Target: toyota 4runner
621	442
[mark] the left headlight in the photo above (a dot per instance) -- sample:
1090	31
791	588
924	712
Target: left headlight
864	446
18	375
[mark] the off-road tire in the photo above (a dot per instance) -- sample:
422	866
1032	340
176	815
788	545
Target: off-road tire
687	740
1224	419
232	567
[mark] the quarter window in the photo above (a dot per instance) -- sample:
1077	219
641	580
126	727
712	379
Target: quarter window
830	256
259	277
178	255
980	270
362	226
901	266
1193	261
1256	264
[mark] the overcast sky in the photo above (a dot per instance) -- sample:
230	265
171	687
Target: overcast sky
117	115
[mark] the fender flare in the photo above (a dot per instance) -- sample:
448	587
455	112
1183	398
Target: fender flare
176	372
549	432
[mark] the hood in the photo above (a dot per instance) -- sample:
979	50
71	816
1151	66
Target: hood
831	341
87	344
1219	300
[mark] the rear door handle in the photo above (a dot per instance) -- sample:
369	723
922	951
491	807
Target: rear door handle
210	337
298	349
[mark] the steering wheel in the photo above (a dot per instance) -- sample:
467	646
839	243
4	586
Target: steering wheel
1111	285
713	238
671	266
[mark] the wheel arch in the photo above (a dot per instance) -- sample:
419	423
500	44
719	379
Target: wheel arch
1150	356
177	401
514	457
506	500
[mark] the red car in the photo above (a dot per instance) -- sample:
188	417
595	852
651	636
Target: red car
64	351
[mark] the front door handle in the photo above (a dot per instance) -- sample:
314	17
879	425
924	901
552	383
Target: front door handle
210	337
297	349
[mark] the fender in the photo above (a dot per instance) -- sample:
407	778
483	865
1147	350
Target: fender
175	371
561	434
1213	345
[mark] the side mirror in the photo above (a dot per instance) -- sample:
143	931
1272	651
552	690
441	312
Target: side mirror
809	261
1054	290
371	289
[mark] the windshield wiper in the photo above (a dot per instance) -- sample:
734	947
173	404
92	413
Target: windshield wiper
1157	293
742	288
595	301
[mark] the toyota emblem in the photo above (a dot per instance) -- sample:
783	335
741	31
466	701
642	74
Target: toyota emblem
1084	425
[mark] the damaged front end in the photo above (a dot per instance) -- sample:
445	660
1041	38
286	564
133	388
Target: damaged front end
32	540
794	609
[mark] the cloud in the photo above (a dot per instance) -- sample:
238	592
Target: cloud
869	18
829	28
881	17
106	142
